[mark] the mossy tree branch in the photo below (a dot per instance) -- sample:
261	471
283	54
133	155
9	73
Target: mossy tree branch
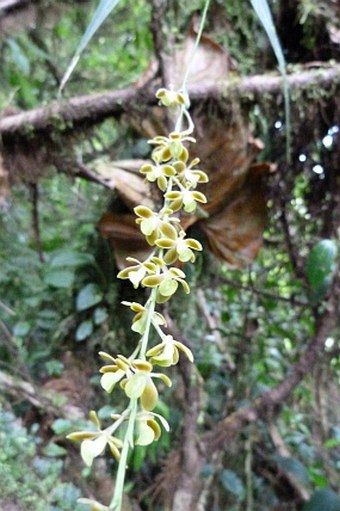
92	109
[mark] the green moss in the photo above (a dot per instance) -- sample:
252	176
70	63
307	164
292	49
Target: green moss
237	34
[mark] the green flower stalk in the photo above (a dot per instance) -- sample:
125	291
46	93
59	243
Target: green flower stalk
135	375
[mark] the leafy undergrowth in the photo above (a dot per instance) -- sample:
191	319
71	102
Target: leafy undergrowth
28	480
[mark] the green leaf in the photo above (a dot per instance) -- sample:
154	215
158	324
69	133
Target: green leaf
207	470
332	442
100	315
48	314
100	15
21	328
105	412
88	296
84	330
262	10
53	450
323	500
318	480
139	454
70	258
293	466
320	265
62	426
59	278
232	483
54	367
19	57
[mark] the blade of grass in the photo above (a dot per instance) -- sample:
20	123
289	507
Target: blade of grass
262	10
101	13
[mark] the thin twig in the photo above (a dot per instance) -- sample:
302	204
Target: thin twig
43	400
214	328
291	299
269	403
208	482
50	65
8	340
7	309
283	451
85	172
292	253
35	220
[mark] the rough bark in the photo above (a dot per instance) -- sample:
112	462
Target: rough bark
182	489
187	489
91	109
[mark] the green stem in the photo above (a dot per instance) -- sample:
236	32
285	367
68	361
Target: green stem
184	108
179	184
198	38
158	329
184	113
151	310
111	429
117	500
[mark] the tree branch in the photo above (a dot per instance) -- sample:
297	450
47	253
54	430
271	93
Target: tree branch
34	189
85	172
283	450
186	484
266	294
212	323
62	116
42	400
269	403
158	16
94	108
12	4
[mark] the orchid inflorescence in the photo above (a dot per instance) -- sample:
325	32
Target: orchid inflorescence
177	179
